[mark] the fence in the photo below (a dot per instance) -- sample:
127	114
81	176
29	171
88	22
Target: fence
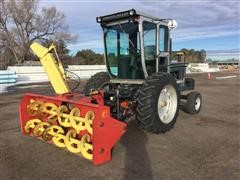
37	73
30	74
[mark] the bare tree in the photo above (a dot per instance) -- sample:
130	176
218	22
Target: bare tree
21	23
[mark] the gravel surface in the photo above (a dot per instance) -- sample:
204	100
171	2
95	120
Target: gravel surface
203	146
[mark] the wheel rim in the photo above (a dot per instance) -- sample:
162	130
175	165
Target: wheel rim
197	103
167	104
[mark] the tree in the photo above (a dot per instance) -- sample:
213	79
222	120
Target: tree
191	56
21	23
87	57
6	57
203	55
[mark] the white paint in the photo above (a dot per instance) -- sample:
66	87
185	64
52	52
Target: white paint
226	77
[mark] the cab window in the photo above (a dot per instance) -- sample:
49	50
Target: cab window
149	32
163	38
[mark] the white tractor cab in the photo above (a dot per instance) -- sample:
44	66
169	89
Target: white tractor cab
141	73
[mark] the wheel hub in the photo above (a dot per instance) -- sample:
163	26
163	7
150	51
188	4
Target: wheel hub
167	104
163	104
197	103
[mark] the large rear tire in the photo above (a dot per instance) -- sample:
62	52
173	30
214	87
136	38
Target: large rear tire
96	81
158	103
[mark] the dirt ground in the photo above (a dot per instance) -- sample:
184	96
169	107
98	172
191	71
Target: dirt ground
203	146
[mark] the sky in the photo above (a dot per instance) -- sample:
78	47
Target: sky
213	25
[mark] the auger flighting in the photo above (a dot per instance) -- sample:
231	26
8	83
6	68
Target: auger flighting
59	118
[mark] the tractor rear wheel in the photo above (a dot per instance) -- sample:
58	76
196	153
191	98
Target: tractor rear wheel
96	81
158	103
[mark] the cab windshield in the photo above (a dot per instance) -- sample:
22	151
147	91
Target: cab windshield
122	49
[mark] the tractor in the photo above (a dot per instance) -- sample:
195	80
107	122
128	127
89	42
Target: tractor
141	82
141	79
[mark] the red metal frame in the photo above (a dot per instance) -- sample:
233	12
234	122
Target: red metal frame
106	130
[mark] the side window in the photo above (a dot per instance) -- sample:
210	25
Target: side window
112	50
150	39
163	39
149	32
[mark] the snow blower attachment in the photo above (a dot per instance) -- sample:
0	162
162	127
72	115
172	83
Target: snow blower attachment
80	124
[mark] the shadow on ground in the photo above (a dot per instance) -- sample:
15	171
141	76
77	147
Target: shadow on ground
137	161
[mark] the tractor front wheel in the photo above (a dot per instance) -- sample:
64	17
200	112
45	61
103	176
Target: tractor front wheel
158	103
193	103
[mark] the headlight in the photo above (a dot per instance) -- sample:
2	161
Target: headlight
131	12
172	24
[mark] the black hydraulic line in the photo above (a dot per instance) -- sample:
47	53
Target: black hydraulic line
77	81
118	104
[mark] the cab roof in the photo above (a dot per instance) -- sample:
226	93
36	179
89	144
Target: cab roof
132	13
